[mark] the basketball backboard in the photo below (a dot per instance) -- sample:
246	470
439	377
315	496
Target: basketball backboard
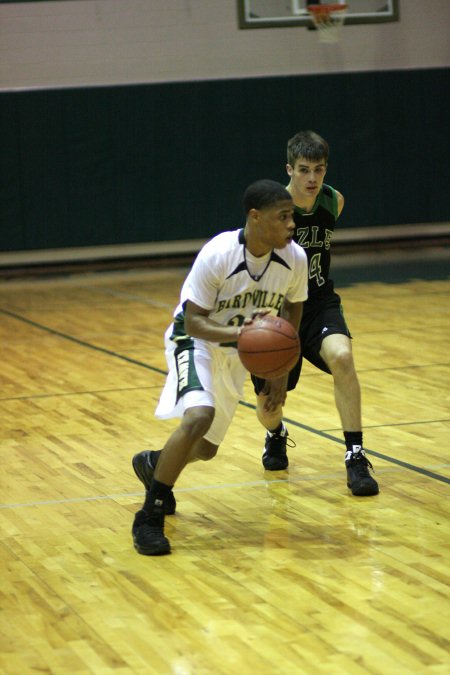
273	13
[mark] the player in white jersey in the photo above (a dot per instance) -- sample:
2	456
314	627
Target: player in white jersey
236	275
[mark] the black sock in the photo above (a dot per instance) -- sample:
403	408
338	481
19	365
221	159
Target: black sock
353	441
158	491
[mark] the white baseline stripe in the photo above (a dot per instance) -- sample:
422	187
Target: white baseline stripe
257	483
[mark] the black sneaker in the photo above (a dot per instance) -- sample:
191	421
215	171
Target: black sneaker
359	479
148	531
275	455
144	467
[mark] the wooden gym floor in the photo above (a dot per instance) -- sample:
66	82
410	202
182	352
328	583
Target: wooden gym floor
282	573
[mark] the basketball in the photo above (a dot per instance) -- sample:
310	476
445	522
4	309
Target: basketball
269	347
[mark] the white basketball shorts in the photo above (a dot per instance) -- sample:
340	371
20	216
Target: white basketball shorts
202	374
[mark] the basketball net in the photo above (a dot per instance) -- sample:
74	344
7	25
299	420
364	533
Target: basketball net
328	19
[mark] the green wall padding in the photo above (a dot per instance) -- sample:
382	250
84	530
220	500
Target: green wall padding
128	164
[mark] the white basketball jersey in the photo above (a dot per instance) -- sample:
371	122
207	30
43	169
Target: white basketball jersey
229	282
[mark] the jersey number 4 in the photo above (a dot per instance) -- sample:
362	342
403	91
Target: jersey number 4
315	270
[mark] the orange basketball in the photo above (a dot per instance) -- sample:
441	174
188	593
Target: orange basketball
269	347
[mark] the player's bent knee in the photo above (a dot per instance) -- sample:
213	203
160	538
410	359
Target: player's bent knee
342	360
196	421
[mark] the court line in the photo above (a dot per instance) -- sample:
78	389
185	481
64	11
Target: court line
322	434
404	424
195	488
65	336
375	453
61	394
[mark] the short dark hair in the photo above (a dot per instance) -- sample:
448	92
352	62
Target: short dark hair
264	193
309	145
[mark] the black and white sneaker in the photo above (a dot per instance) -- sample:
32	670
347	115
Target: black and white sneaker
144	466
148	531
359	479
275	450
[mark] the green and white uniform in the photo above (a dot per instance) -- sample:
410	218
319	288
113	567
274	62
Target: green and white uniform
231	284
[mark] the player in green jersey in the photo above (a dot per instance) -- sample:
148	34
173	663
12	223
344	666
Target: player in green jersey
325	337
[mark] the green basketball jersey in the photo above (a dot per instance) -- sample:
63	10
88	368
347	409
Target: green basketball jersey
314	231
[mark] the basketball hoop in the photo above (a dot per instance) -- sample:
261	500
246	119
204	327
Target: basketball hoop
328	19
